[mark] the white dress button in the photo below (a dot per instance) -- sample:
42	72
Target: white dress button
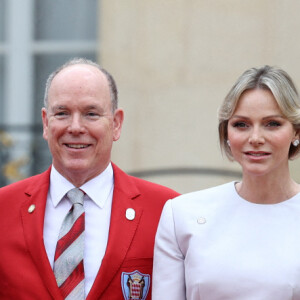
130	214
201	220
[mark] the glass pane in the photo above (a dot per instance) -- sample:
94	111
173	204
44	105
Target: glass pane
2	20
66	19
3	144
43	66
1	88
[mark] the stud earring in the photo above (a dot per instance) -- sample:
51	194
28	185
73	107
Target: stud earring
296	143
228	143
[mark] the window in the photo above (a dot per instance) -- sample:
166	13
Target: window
35	38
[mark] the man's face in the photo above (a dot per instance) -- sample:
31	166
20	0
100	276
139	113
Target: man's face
79	124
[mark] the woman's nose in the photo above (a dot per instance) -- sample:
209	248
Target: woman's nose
256	137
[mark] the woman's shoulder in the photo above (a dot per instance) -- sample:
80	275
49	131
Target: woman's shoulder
209	196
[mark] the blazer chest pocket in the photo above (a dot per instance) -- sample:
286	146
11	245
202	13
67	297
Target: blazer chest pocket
138	263
136	274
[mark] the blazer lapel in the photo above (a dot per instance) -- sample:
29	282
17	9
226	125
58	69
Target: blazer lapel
32	213
121	232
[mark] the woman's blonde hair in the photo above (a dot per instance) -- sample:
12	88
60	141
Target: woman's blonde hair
279	83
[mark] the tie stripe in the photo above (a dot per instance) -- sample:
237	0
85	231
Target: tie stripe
68	259
70	237
72	281
69	221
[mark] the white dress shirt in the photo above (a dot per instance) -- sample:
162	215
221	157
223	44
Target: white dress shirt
97	206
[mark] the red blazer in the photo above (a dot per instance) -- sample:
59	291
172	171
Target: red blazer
25	271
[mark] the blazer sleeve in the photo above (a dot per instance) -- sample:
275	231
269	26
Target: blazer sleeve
168	266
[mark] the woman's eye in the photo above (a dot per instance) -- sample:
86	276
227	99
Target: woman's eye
273	124
240	124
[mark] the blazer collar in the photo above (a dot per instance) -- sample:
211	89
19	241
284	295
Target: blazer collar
32	213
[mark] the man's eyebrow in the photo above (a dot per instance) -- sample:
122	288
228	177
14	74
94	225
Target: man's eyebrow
58	107
85	108
91	107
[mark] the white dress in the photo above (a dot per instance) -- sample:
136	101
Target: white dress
214	245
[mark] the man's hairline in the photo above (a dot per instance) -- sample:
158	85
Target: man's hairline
113	109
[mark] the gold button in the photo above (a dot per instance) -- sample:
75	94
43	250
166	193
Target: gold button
31	208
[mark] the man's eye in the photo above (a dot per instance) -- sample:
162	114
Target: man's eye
61	113
92	114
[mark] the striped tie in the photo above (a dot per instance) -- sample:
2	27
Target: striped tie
68	260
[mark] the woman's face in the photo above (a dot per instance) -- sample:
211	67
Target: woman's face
259	134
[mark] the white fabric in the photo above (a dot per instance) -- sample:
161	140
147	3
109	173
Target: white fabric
214	245
97	206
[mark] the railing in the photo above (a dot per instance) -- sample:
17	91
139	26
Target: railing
32	161
186	171
39	158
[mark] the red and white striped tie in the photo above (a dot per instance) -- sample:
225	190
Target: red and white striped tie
68	260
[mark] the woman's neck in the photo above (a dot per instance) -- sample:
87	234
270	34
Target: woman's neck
267	189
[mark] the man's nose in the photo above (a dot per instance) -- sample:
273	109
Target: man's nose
76	125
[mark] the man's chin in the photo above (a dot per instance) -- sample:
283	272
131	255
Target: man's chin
74	166
78	168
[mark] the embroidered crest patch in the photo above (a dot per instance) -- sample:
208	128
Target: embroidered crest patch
135	285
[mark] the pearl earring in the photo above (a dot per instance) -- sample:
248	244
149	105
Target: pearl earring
296	143
228	143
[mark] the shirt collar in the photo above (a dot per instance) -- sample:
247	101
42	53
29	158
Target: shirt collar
98	188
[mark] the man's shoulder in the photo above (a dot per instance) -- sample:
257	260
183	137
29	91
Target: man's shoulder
27	183
151	186
143	185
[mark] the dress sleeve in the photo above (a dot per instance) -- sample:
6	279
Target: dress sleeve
168	265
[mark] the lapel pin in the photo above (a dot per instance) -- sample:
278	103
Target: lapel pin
130	214
31	208
201	220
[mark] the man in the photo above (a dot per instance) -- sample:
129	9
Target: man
100	245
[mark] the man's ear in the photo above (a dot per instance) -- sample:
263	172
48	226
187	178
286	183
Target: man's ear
45	123
118	122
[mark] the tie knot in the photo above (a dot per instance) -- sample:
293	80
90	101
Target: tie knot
76	196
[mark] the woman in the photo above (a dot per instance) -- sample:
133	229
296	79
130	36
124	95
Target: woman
240	240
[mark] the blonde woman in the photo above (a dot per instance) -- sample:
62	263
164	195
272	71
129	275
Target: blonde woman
240	240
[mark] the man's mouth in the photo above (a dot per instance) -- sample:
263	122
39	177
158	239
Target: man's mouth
77	146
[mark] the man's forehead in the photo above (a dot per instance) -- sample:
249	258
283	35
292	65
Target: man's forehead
79	81
79	78
80	70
